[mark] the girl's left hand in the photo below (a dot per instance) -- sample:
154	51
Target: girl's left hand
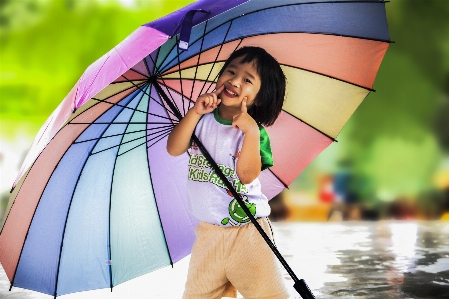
243	121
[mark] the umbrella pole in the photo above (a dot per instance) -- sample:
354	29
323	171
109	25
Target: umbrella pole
300	285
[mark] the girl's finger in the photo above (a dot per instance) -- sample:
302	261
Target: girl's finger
212	99
218	90
243	108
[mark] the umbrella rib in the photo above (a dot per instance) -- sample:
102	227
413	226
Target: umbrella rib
146	66
134	70
132	140
198	61
218	54
162	137
176	92
172	99
139	87
163	134
65	226
121	134
328	136
119	123
216	77
32	218
99	101
285	5
157	209
202	40
283	183
180	78
134	109
210	71
34	213
119	105
68	212
173	105
162	105
331	77
305	70
110	209
154	62
174	108
146	93
315	2
28	230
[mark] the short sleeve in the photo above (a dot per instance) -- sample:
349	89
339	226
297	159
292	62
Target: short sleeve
265	149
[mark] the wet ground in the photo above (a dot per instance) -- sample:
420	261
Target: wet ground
365	260
369	259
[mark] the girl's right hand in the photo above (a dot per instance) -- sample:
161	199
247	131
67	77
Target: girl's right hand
207	102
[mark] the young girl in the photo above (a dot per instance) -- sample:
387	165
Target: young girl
229	250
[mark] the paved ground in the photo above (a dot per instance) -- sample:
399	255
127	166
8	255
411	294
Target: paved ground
364	260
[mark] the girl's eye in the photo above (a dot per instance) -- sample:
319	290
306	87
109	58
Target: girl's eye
231	72
248	81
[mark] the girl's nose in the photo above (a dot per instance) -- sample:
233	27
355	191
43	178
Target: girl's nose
235	81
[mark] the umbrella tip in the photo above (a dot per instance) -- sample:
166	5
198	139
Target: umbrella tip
12	189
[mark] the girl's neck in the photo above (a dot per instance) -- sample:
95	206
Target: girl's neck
227	113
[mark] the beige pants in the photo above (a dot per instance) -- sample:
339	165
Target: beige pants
223	257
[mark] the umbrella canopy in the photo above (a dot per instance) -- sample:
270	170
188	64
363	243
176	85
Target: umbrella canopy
98	200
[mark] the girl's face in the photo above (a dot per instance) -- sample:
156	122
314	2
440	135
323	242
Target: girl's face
240	80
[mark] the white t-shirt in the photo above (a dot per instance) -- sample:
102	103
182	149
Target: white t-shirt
208	198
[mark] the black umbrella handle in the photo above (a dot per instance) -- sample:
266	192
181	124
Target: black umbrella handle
303	289
300	285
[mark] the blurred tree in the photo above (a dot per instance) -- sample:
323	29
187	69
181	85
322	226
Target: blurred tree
397	137
20	14
43	59
392	136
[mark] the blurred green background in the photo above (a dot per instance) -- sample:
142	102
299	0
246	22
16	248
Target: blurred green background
392	158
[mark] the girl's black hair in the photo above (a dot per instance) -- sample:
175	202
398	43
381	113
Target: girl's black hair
269	100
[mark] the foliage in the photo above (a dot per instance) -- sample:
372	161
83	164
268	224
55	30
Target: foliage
41	59
398	136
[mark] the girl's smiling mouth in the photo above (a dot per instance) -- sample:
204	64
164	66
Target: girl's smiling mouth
229	93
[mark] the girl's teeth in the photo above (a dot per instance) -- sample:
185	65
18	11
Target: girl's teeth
230	92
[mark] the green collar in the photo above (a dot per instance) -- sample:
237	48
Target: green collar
221	120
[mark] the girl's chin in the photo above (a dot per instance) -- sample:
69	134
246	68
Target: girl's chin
229	105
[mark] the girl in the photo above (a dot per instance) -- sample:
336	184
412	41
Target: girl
228	250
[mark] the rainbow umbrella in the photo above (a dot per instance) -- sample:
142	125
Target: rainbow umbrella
98	201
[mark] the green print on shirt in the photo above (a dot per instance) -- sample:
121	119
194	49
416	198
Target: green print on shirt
238	215
200	171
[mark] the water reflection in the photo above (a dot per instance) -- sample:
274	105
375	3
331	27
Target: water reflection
369	259
366	260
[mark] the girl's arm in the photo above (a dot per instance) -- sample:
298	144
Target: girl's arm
179	139
249	163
